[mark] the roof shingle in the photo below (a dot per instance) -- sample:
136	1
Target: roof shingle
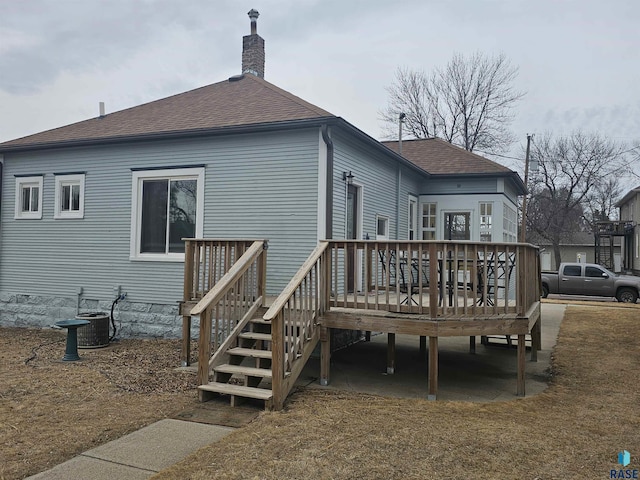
439	157
241	100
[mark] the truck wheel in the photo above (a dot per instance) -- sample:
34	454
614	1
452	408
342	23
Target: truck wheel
545	291
627	295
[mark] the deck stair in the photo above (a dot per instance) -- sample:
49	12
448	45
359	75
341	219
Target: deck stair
244	369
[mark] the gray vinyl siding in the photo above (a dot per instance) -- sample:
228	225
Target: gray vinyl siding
453	186
377	174
256	186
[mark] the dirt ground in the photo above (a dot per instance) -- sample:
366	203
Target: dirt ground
51	411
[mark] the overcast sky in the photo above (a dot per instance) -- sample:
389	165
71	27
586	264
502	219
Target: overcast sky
578	59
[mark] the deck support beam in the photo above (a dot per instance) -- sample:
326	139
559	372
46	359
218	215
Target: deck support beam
433	368
536	340
185	355
391	353
325	355
522	348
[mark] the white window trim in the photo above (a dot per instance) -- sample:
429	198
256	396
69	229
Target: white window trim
416	215
28	181
75	179
136	213
386	234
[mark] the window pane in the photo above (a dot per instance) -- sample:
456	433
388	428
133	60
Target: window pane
593	272
75	198
572	270
26	199
34	199
153	236
182	220
66	195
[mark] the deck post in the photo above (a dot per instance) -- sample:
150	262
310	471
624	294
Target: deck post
423	345
204	353
185	353
433	368
536	341
521	365
325	355
391	353
472	344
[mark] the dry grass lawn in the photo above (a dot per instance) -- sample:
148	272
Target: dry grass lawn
51	411
573	430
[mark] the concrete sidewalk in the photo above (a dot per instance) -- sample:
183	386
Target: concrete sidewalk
487	375
140	454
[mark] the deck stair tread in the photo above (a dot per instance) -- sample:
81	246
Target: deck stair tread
249	352
260	320
256	336
242	370
229	389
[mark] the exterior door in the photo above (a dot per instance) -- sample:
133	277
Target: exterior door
352	234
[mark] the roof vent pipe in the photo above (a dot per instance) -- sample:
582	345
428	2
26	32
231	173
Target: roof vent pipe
101	106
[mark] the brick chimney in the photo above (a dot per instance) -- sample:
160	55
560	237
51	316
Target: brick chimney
253	49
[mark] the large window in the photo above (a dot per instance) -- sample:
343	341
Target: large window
167	207
69	196
429	221
28	197
486	221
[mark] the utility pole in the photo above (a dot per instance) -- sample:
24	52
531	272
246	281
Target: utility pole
523	229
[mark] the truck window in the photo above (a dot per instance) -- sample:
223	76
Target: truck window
593	272
572	270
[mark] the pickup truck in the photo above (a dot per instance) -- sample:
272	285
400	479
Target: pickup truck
590	279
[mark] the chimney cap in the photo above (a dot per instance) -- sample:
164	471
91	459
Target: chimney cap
253	14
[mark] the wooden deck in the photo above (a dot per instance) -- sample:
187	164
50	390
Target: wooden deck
427	289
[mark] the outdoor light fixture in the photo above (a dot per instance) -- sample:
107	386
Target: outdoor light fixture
347	177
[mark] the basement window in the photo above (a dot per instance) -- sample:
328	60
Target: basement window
28	197
167	206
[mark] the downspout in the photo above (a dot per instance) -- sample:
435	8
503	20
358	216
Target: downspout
398	179
329	194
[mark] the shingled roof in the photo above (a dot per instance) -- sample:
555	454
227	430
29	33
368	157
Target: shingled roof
243	100
439	157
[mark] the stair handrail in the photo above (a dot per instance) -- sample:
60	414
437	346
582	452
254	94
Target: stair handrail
299	305
286	294
229	279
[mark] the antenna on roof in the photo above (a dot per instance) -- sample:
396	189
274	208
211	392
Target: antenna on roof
101	107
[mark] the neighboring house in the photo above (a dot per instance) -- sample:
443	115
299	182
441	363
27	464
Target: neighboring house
580	248
100	206
629	206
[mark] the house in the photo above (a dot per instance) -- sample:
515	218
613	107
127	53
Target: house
629	206
467	197
100	207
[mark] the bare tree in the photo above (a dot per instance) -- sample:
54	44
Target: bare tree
601	201
468	103
564	192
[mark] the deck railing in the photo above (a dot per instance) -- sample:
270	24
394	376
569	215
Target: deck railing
434	278
293	316
205	262
229	305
